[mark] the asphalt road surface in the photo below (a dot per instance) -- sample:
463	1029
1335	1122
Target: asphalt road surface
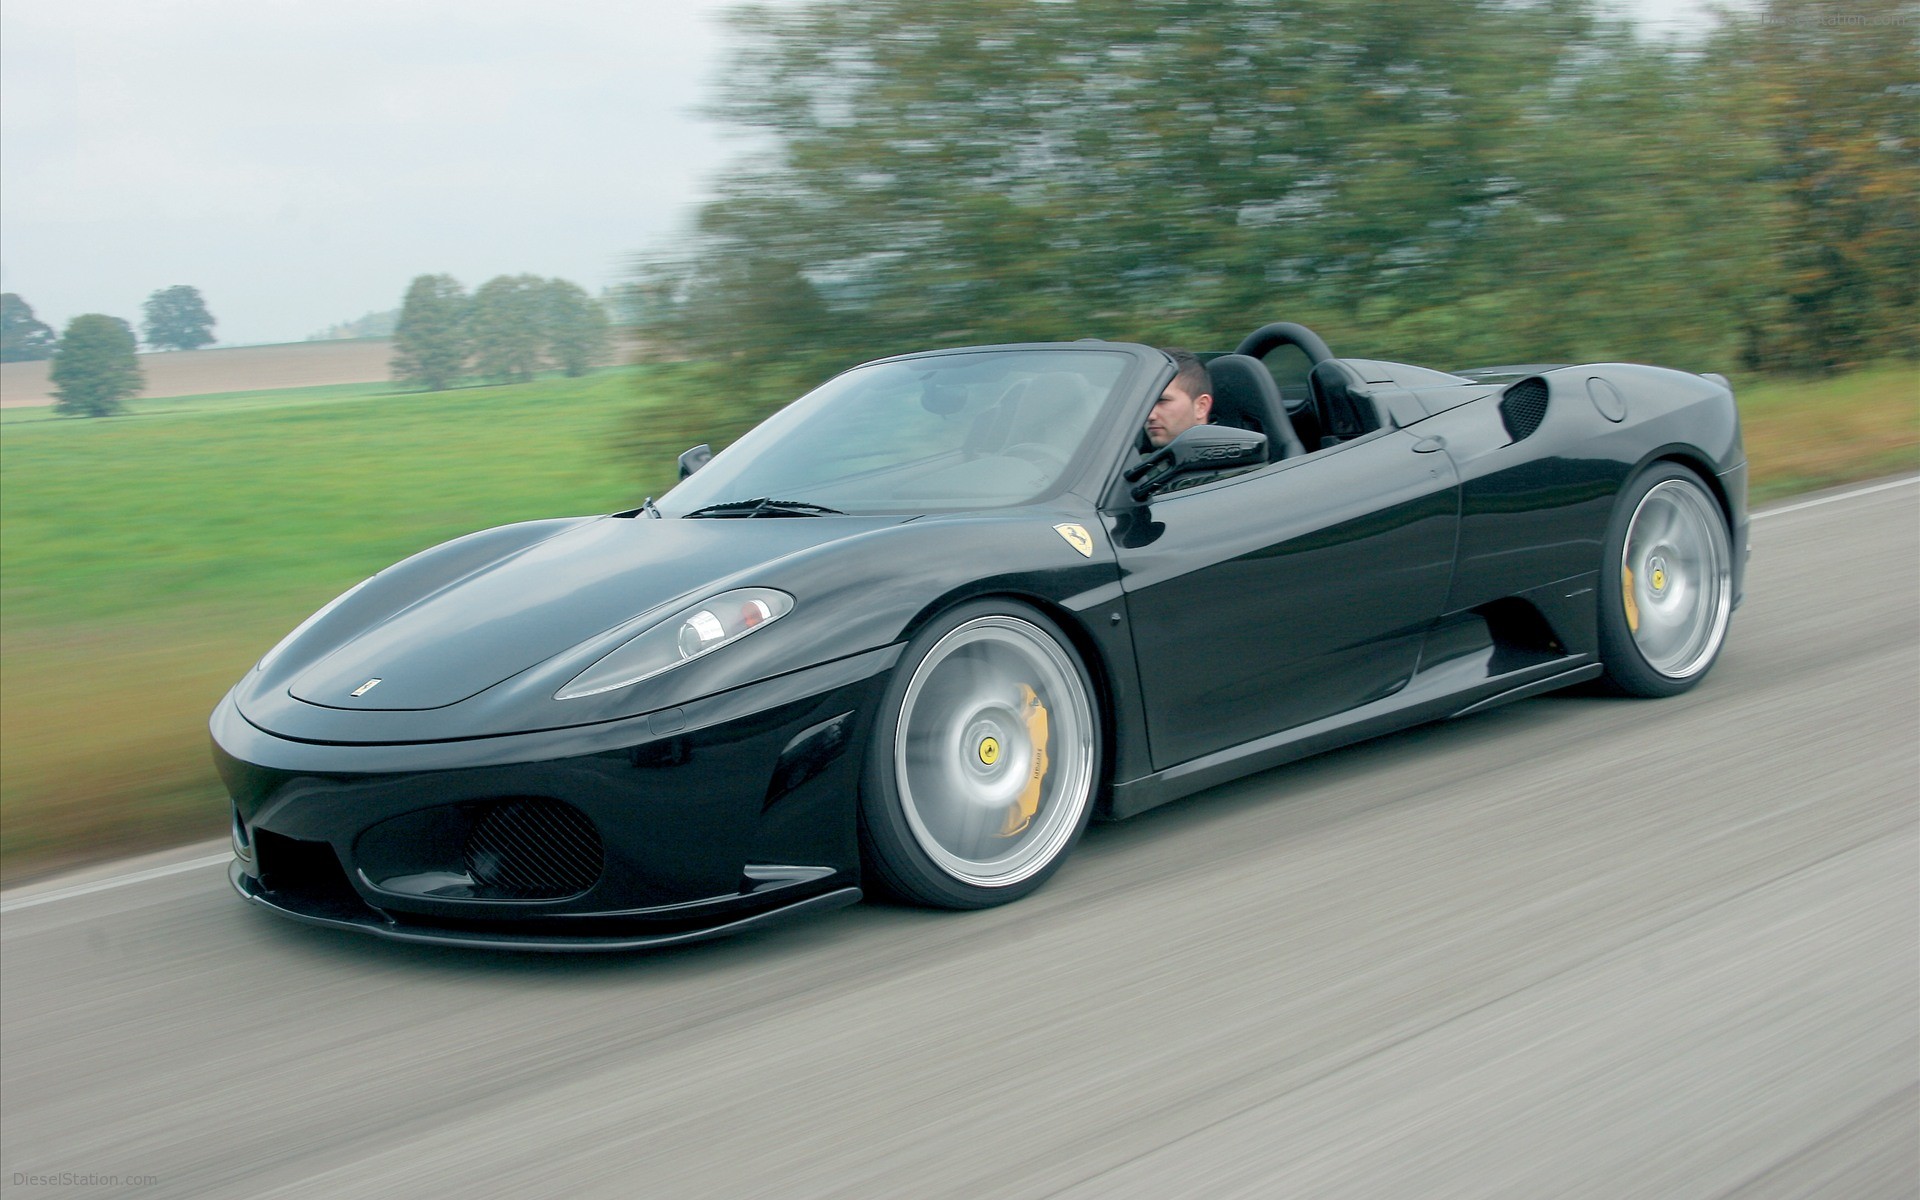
1574	947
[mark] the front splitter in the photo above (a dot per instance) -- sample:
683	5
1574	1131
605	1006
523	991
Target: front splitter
249	889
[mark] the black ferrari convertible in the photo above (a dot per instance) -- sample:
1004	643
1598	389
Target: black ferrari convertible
916	629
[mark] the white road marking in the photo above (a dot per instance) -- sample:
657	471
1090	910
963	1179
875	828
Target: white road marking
1909	481
118	881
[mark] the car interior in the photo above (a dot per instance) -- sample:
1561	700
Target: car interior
1283	382
1245	396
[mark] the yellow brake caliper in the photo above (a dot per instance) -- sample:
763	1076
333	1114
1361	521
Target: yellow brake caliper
1626	593
1021	814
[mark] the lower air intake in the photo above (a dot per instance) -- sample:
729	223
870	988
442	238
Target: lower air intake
1524	407
534	849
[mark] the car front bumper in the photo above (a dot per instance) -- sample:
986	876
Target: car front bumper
725	815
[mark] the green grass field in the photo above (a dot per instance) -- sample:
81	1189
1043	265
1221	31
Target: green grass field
225	402
147	560
208	505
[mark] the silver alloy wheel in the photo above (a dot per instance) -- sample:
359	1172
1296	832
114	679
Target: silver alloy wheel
965	751
1676	578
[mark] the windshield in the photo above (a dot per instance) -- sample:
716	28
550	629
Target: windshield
962	430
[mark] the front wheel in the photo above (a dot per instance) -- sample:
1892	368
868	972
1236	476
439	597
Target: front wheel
1666	584
985	760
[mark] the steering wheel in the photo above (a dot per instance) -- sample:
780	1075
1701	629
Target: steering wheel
1264	340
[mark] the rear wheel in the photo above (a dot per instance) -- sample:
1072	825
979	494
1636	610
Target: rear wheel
1666	584
984	762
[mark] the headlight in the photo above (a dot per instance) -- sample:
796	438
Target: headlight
686	635
307	624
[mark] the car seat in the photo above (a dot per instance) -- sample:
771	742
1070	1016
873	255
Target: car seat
1246	397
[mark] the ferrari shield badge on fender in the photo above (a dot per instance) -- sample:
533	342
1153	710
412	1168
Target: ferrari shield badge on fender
1077	537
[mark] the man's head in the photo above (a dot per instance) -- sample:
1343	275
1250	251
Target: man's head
1186	402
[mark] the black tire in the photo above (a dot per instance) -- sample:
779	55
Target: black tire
1666	584
974	789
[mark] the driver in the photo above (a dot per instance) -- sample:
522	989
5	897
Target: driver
1186	402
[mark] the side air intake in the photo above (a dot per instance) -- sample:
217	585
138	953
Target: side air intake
531	848
1523	407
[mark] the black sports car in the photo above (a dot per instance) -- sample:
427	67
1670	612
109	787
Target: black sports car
918	627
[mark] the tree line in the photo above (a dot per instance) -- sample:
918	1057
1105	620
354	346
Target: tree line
94	369
176	318
1451	182
512	327
508	329
371	325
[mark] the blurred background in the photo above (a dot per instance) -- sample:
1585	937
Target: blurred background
293	292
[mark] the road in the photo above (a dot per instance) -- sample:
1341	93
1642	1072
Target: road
1575	947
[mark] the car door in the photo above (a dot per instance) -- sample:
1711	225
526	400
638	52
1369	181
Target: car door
1267	601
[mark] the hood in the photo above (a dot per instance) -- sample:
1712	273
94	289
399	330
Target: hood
456	638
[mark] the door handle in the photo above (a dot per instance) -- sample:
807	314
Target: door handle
1428	445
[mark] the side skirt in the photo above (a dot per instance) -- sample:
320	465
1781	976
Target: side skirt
1455	689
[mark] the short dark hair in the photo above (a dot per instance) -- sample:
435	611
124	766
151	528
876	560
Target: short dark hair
1189	372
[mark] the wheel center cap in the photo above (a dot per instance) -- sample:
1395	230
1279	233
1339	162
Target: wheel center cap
1659	576
989	751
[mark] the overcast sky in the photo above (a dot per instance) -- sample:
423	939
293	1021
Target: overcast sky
299	161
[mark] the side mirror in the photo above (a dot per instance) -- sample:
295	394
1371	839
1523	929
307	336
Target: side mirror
692	460
1202	449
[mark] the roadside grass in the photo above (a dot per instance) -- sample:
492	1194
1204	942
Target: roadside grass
148	560
104	728
1802	435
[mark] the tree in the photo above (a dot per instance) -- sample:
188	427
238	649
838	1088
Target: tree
1441	180
1162	170
431	340
575	327
177	319
1837	97
95	370
22	337
1632	225
508	320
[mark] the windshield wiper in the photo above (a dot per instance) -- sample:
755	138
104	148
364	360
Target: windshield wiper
761	506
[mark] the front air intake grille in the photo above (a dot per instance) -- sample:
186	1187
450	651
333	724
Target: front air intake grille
1524	407
534	849
305	875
